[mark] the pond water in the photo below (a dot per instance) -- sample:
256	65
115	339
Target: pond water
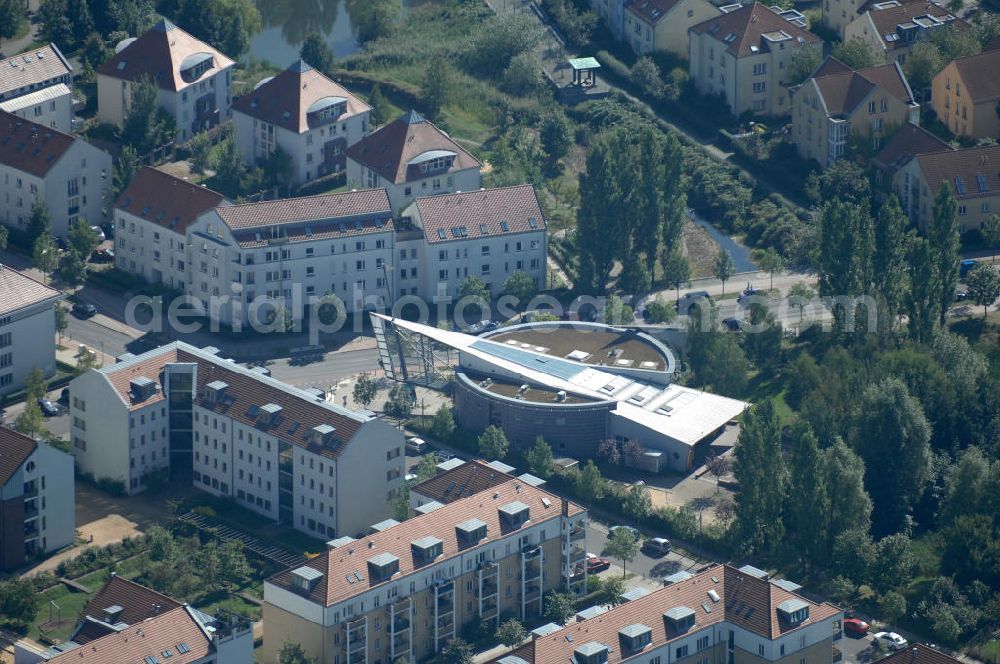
740	252
287	23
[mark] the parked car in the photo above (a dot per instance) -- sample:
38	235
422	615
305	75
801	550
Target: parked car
656	547
101	237
64	395
416	445
102	256
732	324
84	310
965	266
410	478
482	327
749	291
597	564
48	408
688	299
890	640
961	295
629	529
855	627
441	456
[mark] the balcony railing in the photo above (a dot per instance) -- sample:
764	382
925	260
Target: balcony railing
576	534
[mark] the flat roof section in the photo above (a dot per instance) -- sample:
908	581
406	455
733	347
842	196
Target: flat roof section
596	347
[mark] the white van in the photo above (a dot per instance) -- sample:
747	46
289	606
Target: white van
416	446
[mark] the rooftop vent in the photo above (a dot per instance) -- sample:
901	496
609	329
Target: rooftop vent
793	611
755	572
427	508
215	391
383	525
322	434
112	614
339	542
269	413
306	578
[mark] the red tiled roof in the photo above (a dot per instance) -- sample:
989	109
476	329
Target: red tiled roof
167	631
389	150
159	54
964	165
906	143
743	29
30	147
15	448
285	99
843	91
918	653
338	564
35	67
651	11
468	479
139	603
512	208
307	208
981	75
743	600
166	200
18	291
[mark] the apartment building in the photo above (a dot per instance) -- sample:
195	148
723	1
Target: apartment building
37	85
194	80
743	53
308	116
721	615
71	176
27	329
458	480
37	503
489	233
409	589
151	220
187	414
903	146
662	25
127	622
837	105
966	95
892	27
411	157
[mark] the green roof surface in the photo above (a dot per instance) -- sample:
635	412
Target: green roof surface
584	63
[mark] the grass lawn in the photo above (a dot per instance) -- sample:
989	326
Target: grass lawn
231	603
70	605
95	580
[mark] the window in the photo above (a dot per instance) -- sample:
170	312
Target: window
962	210
485	269
760	69
682	651
871	107
760	649
759	87
702	643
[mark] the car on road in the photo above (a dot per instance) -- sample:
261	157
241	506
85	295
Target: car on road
629	529
732	324
961	295
84	310
441	456
855	627
890	640
656	547
482	327
597	564
101	237
409	478
102	256
416	445
688	299
48	408
749	291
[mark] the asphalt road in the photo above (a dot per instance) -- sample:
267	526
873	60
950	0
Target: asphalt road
653	569
332	368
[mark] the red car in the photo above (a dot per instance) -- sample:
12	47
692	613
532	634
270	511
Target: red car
855	627
596	564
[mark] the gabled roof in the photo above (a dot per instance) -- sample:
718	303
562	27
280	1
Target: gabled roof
32	69
307	208
750	29
389	150
843	91
18	291
972	172
30	147
166	200
651	11
483	213
906	143
15	448
159	54
918	653
341	565
138	603
981	75
886	16
285	99
466	480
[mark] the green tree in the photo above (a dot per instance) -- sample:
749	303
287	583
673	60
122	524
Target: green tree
31	421
44	254
162	545
201	152
589	485
602	197
82	238
660	312
645	75
943	235
399	405
991	233
373	19
559	607
723	267
984	286
623	545
803	63
511	632
799	295
847	244
316	52
616	312
894	563
923	301
771	262
853	555
230	168
292	653
56	24
126	166
892	436
523	76
443	423
365	390
889	258
806	519
499	40
73	267
35	384
676	270
760	471
426	467
923	63
855	53
146	126
40	221
521	286
94	52
235	569
612	589
62	320
892	606
226	24
435	88
844	181
539	459
762	343
474	287
555	134
493	444
86	361
850	507
11	18
380	107
458	651
19	601
638	504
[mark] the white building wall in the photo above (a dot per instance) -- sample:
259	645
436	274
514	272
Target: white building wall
493	258
255	470
99	428
401	195
149	250
53	470
86	170
149	443
369	476
31	343
52	107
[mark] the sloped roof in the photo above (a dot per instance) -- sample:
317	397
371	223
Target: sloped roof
339	565
502	211
306	208
158	53
743	29
30	147
981	75
887	18
32	69
285	99
651	11
166	200
918	653
138	603
466	480
843	91
18	291
966	165
906	143
389	150
15	448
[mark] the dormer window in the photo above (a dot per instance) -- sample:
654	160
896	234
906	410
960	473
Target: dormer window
142	388
679	618
194	66
426	549
215	391
793	611
269	414
591	652
470	531
382	567
304	579
112	614
635	637
514	515
323	434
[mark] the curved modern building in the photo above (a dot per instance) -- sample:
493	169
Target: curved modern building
575	384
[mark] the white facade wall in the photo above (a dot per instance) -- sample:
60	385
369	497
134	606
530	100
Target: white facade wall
146	248
99	428
51	107
369	476
401	195
255	469
27	340
149	443
52	469
493	258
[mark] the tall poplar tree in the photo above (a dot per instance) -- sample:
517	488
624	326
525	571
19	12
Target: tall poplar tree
808	502
760	471
942	232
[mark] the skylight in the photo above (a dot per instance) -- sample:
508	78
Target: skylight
959	185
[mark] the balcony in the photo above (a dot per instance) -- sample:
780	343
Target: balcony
576	554
532	591
532	571
31	510
445	606
445	622
577	533
488	589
